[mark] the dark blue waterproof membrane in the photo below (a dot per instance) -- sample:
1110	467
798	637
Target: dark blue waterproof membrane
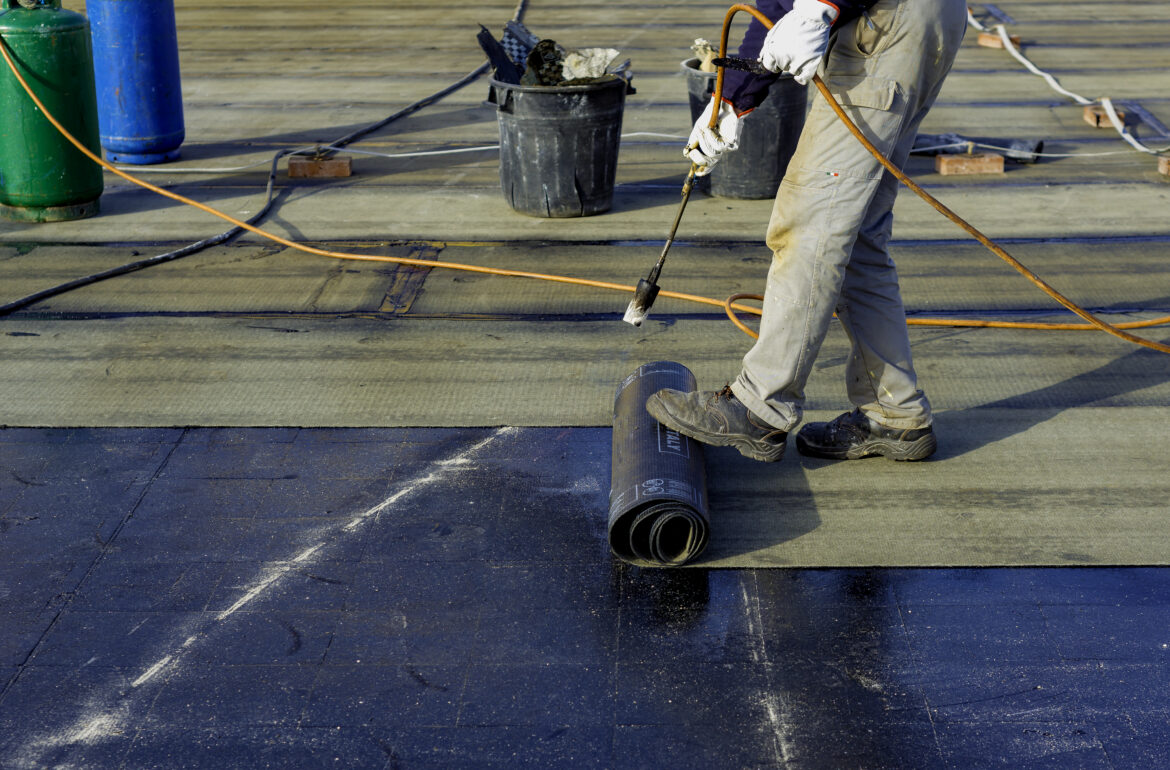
658	481
447	598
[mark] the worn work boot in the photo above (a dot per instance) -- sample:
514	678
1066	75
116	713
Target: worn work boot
717	418
853	436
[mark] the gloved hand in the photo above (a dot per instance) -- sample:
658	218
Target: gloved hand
796	43
706	146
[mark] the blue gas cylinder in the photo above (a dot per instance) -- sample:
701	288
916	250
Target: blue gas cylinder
136	65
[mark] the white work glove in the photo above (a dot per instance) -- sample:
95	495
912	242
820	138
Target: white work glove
706	145
796	43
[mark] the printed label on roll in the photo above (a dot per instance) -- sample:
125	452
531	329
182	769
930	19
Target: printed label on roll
672	442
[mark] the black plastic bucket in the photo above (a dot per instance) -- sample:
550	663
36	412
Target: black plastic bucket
559	146
767	137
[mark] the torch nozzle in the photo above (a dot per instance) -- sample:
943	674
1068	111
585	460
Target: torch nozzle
647	289
644	296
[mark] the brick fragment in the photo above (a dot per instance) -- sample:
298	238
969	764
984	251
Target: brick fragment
301	166
993	40
976	163
1164	165
1095	115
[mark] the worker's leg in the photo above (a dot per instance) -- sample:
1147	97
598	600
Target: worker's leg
879	375
885	69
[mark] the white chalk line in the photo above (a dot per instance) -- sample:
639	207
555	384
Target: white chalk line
356	521
99	723
95	729
778	722
151	672
361	518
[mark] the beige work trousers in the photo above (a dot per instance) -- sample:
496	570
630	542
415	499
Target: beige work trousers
833	215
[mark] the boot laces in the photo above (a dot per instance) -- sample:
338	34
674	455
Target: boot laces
854	423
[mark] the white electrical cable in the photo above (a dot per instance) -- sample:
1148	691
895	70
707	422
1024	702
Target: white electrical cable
916	150
1119	125
1105	102
660	136
940	147
421	154
190	170
301	150
975	22
985	146
1059	154
1007	43
485	147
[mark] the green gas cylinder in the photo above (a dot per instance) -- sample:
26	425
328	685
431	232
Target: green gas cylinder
44	178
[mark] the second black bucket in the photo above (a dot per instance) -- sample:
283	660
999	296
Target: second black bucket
767	137
559	146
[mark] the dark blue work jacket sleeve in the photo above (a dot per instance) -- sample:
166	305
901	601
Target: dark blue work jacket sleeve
745	90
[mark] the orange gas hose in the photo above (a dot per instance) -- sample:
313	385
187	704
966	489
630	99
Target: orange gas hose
728	304
310	249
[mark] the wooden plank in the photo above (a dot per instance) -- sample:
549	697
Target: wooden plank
966	164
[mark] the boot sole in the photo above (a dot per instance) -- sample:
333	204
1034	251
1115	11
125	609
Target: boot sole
756	450
902	451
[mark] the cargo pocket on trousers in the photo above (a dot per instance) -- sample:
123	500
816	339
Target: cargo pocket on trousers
864	91
875	105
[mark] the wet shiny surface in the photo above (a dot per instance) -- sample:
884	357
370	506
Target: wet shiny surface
445	598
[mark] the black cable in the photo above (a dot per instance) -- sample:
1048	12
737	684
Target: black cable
77	283
428	101
215	240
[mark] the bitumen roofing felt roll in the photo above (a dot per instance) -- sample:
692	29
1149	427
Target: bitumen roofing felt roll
658	485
